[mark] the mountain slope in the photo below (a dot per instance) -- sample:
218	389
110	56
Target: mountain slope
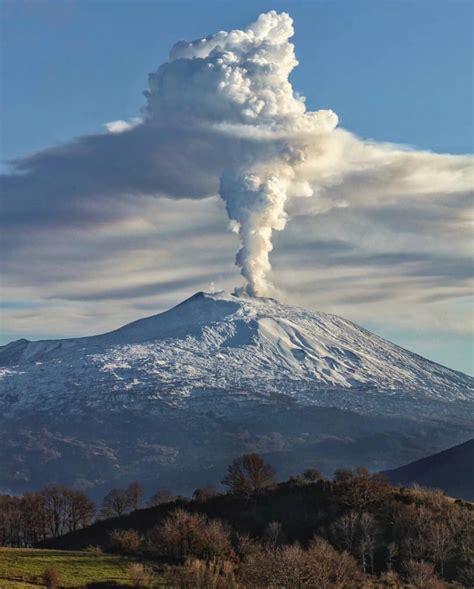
451	470
225	342
213	377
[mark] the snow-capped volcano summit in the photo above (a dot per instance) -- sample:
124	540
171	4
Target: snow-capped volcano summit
227	342
179	394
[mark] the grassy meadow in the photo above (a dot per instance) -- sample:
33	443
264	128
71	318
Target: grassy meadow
22	568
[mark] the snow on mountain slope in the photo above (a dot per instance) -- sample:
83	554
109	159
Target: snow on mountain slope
223	343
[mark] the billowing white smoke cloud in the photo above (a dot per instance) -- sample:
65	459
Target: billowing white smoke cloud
237	82
255	206
222	120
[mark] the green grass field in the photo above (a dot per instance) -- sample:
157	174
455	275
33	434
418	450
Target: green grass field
22	568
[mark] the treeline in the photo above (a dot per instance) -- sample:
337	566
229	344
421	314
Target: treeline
49	513
353	531
57	510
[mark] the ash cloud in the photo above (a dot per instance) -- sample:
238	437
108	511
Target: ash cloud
221	119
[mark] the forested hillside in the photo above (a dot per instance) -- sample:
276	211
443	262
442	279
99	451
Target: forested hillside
368	533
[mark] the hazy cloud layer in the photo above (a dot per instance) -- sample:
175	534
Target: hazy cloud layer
135	218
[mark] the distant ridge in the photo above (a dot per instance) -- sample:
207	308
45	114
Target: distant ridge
451	470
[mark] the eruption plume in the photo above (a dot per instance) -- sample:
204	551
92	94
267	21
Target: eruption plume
222	123
237	82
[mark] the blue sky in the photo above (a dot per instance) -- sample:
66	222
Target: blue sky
395	71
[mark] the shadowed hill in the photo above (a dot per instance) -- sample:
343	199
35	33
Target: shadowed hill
451	470
303	509
355	508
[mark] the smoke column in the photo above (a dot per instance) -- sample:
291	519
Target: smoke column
237	83
221	121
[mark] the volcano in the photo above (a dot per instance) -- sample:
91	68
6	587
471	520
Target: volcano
214	376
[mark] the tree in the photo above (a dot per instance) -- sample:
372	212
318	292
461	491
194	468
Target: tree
51	512
357	533
273	536
161	496
204	493
115	503
411	525
359	489
64	510
11	524
80	510
248	475
422	575
118	502
367	539
33	518
312	475
54	505
135	494
345	530
440	539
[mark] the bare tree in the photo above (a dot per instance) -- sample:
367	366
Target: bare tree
118	502
357	533
55	508
115	503
367	537
248	475
135	493
54	511
422	575
183	534
345	530
273	535
359	489
33	518
79	509
161	496
440	539
411	525
311	475
204	493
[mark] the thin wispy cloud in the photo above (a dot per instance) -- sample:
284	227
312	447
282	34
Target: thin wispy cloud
139	212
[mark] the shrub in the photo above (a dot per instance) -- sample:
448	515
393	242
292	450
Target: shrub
422	575
329	568
390	579
51	578
140	575
125	541
93	549
184	534
105	585
319	567
201	574
273	536
245	546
